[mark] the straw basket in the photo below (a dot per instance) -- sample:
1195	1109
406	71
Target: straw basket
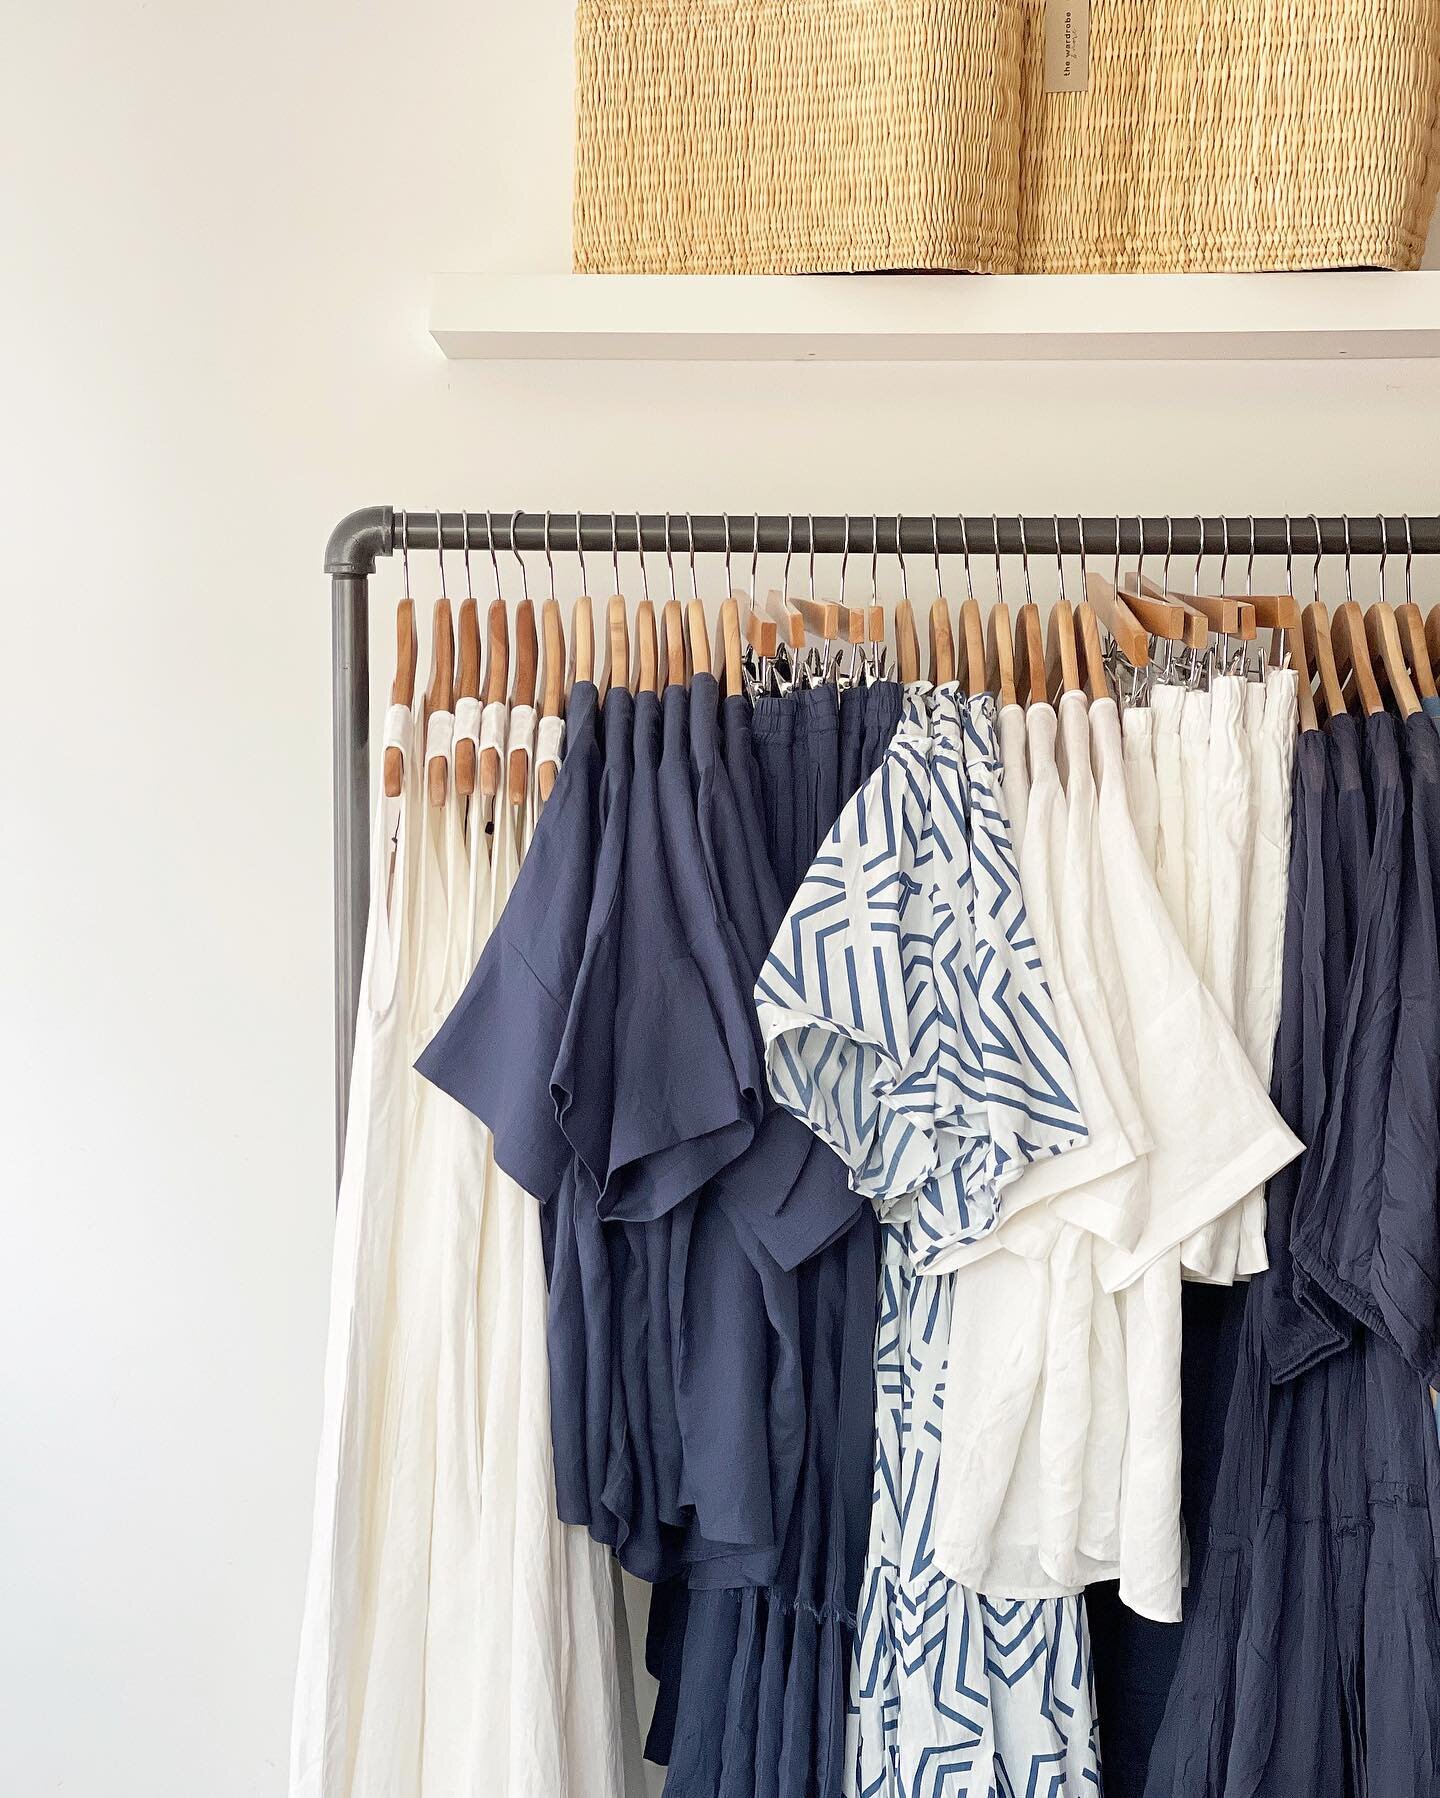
1235	134
779	136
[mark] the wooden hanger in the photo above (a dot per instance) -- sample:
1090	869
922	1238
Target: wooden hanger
1411	622
1062	654
697	642
1031	685
823	618
1092	654
617	644
1387	653
582	642
761	633
467	758
1227	616
1144	596
729	649
672	643
522	692
787	615
402	689
1320	653
1352	656
875	623
497	680
942	644
1116	613
1000	653
972	647
907	644
440	695
647	652
552	690
1279	613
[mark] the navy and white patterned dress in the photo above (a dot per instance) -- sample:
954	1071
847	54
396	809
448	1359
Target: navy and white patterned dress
906	1018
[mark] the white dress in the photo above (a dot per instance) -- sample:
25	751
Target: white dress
329	1677
1034	1436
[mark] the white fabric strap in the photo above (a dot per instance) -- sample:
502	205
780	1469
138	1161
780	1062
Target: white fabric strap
467	720
549	742
522	728
399	727
492	726
439	735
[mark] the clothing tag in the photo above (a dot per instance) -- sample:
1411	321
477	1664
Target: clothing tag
1067	46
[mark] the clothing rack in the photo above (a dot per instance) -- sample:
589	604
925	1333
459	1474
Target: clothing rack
360	538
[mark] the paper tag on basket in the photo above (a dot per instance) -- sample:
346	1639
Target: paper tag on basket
1067	46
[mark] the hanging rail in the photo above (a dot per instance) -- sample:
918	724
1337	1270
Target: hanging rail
358	540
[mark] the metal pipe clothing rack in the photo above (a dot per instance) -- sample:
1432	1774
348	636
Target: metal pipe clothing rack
360	538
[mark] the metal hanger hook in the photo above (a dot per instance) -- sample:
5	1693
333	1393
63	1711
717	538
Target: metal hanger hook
440	553
465	545
640	551
1059	559
1349	584
494	559
1025	562
1409	559
874	558
1199	554
690	555
844	558
754	553
789	555
670	562
515	551
1384	553
900	554
1315	566
1289	555
549	559
580	553
810	533
1084	570
405	550
615	549
935	551
995	541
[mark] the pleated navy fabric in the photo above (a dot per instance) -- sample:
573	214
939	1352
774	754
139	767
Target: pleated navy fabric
1310	1660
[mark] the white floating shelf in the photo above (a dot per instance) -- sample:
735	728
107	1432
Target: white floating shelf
939	318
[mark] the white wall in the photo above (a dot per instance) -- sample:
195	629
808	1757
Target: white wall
218	225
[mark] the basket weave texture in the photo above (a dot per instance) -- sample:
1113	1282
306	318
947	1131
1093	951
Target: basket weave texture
788	136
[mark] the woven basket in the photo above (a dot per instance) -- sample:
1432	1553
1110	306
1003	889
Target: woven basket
1235	134
781	136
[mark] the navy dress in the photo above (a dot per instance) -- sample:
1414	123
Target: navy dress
768	792
1311	1654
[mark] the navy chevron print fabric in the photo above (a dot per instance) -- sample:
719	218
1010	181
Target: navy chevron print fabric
906	1018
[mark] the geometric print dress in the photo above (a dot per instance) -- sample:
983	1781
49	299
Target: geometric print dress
906	1019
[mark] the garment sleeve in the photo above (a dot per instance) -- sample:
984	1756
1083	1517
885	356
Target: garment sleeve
496	1051
850	961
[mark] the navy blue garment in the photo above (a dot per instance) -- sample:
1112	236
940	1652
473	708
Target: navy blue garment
780	1656
1311	1653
